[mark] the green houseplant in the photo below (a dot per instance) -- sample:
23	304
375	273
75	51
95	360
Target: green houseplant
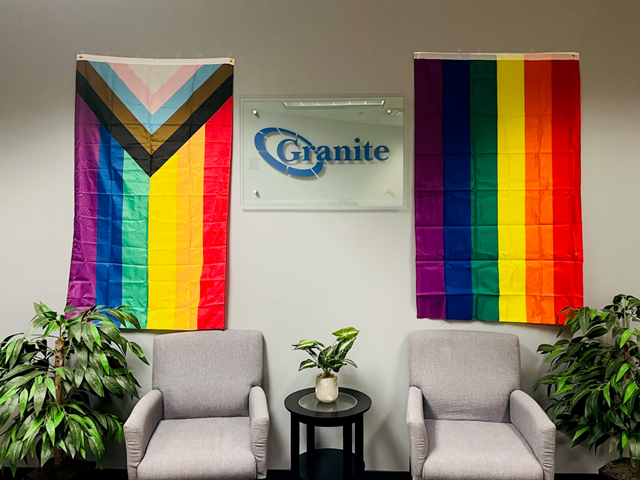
595	379
51	389
328	359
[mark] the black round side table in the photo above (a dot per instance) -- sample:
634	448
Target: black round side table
328	463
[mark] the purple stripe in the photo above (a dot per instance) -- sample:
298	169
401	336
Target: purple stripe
82	278
429	185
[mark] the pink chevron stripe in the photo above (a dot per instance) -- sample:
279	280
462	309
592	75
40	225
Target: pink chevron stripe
153	101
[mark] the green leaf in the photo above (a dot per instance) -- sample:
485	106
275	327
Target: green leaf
307	343
34	428
580	432
630	389
113	386
50	384
307	364
110	330
97	448
19	381
607	394
57	419
137	350
14	455
46	451
634	446
9	394
39	396
346	332
51	430
345	346
132	319
95	334
622	371
16	352
24	397
127	385
613	443
9	350
75	331
584	315
350	362
78	376
625	438
625	337
36	324
8	410
564	389
83	356
87	336
94	381
104	362
76	408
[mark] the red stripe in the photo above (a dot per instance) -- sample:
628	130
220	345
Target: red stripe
567	217
217	163
539	178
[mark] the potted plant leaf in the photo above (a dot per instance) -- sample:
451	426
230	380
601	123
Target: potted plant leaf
50	378
595	379
328	359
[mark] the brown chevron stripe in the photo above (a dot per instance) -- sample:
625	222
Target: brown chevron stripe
152	142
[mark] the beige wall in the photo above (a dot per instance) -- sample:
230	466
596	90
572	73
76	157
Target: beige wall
356	268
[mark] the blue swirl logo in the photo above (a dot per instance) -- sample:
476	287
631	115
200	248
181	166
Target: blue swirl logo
294	151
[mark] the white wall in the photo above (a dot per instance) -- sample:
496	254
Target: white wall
362	274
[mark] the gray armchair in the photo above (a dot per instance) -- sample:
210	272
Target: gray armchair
467	418
206	417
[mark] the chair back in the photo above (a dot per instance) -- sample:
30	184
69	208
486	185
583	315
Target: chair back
207	373
465	375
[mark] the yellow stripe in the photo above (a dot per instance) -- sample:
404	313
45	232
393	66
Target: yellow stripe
163	211
511	190
189	270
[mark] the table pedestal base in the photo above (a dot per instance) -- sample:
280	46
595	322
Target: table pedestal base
328	465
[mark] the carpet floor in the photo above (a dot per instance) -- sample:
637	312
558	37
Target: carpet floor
284	475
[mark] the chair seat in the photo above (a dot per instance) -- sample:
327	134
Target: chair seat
200	449
473	450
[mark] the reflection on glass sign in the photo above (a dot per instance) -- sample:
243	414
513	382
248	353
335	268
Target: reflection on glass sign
322	153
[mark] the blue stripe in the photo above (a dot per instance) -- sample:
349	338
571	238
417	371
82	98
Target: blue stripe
155	121
456	132
109	235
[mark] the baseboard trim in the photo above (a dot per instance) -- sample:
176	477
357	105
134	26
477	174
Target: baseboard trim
385	475
286	475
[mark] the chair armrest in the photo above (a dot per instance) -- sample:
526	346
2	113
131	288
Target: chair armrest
417	432
534	425
139	427
259	417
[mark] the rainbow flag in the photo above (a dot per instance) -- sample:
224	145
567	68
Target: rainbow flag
497	186
152	153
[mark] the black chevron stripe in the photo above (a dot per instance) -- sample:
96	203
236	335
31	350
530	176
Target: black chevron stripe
151	163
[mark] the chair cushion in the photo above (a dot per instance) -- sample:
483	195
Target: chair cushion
207	373
485	365
200	448
473	450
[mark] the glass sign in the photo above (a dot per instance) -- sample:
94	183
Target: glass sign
322	153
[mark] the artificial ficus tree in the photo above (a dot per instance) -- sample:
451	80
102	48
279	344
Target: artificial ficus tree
595	381
50	388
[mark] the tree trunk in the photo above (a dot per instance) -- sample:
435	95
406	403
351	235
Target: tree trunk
58	454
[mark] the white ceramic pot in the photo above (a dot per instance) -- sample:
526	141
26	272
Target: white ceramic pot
327	388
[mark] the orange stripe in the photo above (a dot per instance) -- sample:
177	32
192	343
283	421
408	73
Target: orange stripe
189	232
539	199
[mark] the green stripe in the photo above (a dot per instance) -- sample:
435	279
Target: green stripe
135	221
484	189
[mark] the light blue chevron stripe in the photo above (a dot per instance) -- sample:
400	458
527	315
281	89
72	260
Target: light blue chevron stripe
155	121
